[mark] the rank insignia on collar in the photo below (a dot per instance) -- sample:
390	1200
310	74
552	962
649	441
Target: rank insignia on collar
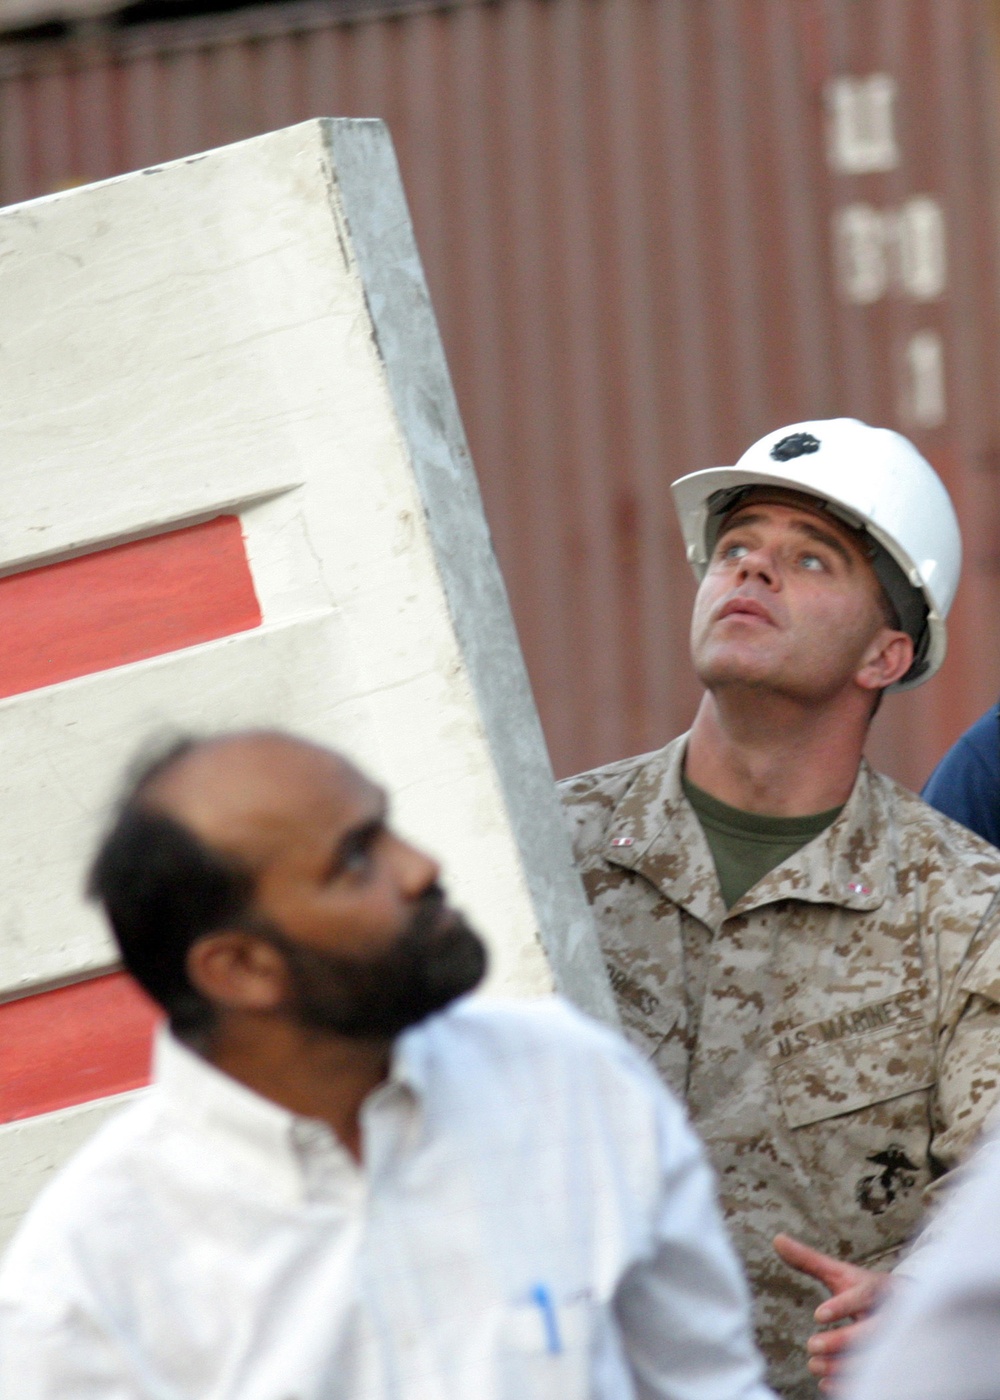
623	841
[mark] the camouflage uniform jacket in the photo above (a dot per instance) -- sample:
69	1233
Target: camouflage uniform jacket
836	1033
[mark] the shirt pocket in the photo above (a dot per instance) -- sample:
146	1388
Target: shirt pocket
856	1118
546	1347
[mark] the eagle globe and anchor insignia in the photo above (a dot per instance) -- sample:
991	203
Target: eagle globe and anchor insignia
876	1191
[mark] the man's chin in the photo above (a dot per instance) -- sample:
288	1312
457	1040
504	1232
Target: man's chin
436	960
753	672
449	975
460	963
808	688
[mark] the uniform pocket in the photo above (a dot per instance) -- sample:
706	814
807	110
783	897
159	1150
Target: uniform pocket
856	1111
851	1061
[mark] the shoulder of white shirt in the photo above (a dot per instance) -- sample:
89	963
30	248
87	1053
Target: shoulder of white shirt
539	1032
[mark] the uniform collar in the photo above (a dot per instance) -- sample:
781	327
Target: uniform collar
654	831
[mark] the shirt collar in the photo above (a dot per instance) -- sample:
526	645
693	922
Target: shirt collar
280	1149
410	1066
654	831
214	1101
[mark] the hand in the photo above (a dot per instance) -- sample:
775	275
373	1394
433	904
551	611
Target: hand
855	1291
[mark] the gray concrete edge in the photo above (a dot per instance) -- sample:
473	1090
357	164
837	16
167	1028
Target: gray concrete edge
373	203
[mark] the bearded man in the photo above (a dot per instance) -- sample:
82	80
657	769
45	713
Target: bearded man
806	952
346	1182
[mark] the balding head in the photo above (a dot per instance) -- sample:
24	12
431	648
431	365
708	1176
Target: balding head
248	795
228	843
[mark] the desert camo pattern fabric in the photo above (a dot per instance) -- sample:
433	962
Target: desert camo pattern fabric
836	1033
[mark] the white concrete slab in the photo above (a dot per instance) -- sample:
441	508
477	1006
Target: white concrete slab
250	330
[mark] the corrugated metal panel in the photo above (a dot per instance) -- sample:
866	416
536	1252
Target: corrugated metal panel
627	212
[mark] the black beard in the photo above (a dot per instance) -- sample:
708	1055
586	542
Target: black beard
437	958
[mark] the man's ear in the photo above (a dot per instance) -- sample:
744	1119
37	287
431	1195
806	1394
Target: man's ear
237	971
887	659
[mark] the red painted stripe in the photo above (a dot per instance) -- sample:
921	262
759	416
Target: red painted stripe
125	604
74	1044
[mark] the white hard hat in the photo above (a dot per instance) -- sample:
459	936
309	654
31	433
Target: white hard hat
873	479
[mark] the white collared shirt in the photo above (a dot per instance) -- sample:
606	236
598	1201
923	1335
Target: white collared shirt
532	1220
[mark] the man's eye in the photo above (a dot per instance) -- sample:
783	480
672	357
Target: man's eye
357	860
735	551
813	562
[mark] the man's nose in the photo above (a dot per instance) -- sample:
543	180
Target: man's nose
416	870
759	563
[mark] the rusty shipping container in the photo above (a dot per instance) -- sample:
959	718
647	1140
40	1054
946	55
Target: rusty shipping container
653	229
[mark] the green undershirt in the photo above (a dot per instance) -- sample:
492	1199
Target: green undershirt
745	846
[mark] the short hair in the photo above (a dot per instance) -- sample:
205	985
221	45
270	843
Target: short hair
162	889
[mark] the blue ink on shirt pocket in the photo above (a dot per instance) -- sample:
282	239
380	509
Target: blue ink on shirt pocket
541	1296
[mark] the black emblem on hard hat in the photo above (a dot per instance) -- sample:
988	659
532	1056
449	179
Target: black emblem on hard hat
794	445
876	1192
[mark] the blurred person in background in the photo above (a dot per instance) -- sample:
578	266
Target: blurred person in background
805	950
347	1181
966	783
938	1337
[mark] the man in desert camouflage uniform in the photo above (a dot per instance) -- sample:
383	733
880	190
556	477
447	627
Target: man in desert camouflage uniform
806	951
